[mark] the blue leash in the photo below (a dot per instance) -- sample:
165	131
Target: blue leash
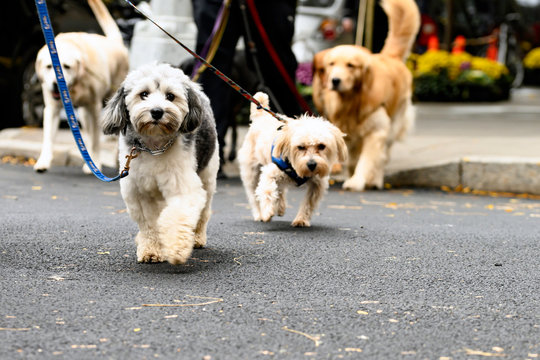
48	33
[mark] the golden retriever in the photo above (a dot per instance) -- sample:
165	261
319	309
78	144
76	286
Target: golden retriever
368	96
93	66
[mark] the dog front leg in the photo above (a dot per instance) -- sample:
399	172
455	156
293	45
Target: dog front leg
373	156
89	117
370	167
267	193
51	122
177	223
316	188
144	211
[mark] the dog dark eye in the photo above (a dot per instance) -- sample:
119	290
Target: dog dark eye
49	66
349	65
321	147
332	63
67	67
301	147
143	95
170	97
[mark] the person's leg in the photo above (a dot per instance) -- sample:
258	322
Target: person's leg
217	90
277	18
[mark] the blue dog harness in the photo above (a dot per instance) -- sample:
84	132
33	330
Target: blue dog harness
285	166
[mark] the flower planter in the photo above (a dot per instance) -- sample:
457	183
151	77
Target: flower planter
532	77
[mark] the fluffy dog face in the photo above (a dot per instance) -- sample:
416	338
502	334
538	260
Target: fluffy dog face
72	69
345	68
157	100
312	145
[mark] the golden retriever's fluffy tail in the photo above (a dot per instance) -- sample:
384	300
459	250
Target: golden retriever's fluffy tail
403	25
105	20
262	98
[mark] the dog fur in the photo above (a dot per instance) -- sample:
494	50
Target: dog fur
169	195
368	96
311	144
93	67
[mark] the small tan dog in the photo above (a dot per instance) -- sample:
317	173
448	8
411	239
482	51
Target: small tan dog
277	154
368	96
93	66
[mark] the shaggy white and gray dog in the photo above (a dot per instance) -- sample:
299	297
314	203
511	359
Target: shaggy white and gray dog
166	117
277	154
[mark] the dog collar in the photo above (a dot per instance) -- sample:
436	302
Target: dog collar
285	166
141	147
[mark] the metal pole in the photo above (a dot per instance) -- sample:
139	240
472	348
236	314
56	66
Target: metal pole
369	24
448	34
361	23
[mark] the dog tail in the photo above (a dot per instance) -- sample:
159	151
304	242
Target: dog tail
105	20
263	99
403	25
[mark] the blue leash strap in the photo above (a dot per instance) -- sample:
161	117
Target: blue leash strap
48	33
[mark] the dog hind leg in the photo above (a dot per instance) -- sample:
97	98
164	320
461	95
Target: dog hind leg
208	177
250	178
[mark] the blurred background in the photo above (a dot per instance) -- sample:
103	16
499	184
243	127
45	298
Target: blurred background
467	50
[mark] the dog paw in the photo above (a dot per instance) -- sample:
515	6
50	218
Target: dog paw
266	217
41	166
178	254
301	222
148	254
353	184
200	241
149	258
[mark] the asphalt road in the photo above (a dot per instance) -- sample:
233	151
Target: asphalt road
394	274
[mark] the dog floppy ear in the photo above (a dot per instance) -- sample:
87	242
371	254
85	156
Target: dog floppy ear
318	66
196	111
39	65
116	116
282	143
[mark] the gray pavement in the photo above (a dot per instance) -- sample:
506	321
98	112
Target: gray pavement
488	146
399	274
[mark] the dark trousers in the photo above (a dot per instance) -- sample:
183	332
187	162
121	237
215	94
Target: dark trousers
277	17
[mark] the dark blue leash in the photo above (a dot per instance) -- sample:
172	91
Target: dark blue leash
48	33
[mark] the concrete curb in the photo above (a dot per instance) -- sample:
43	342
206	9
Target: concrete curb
516	175
26	142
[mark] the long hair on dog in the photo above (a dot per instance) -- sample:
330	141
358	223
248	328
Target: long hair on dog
368	96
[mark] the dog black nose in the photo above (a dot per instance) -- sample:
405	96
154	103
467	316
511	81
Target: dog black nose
311	164
335	82
156	113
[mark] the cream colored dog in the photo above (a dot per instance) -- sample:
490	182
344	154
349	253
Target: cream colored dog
277	154
93	67
368	96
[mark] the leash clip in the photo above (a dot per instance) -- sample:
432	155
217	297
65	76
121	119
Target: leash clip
132	155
